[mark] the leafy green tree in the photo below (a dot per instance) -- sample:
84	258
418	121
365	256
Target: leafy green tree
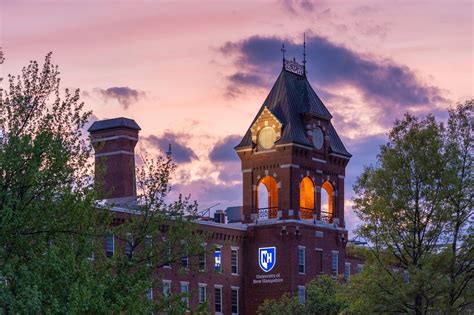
322	296
52	229
415	203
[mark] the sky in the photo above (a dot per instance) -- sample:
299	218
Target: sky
195	73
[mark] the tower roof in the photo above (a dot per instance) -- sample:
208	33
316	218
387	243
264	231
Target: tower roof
290	98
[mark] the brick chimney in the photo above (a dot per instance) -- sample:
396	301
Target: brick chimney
114	143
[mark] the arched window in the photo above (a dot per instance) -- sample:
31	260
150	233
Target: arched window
306	198
267	198
327	201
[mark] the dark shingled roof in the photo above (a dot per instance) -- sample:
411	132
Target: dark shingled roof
120	122
290	97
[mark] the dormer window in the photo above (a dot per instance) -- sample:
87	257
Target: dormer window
318	138
267	138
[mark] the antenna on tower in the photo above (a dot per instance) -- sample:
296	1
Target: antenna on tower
304	54
283	50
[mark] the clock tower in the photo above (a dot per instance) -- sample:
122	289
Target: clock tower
293	161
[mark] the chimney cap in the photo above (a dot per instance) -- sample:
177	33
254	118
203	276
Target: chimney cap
120	122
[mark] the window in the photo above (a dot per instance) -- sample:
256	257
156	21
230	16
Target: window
301	259
267	137
110	245
360	268
234	300
319	260
149	294
184	291
129	246
184	253
217	259
267	198
166	288
306	198
406	276
347	271
218	299
202	293
335	262
167	249
234	261
301	294
202	258
148	246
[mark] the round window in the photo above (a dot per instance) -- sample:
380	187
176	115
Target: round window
318	138
266	137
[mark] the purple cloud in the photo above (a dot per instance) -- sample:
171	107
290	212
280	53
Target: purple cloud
179	151
223	150
388	85
124	95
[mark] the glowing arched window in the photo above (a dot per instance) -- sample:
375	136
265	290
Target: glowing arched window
267	197
306	198
326	200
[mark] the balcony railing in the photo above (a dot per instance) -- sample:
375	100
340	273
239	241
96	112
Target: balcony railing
312	214
267	213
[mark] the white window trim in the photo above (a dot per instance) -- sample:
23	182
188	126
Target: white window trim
150	294
202	285
304	259
301	288
337	265
181	284
234	248
218	247
218	286
113	244
238	296
347	275
169	292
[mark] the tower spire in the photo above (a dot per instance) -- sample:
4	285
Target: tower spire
283	50
304	54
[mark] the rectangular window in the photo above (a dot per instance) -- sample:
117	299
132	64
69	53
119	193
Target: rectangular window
218	299
347	271
129	246
301	294
301	259
319	260
218	259
166	288
202	258
184	291
360	268
167	254
202	293
110	245
149	294
234	260
184	253
234	300
335	262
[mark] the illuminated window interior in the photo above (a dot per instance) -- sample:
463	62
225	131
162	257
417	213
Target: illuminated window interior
326	199
306	198
267	198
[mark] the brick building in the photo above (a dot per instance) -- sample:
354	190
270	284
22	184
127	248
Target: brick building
291	225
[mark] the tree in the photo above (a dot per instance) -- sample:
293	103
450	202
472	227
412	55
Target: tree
414	201
51	228
322	296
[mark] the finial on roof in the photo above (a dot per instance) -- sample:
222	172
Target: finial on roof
283	50
304	54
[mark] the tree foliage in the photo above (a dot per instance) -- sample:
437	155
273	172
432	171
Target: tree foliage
322	296
52	229
415	205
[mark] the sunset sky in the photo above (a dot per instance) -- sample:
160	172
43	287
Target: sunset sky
195	73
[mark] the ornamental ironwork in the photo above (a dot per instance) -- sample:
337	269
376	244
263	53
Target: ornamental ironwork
293	66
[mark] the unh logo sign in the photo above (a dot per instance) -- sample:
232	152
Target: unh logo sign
267	258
